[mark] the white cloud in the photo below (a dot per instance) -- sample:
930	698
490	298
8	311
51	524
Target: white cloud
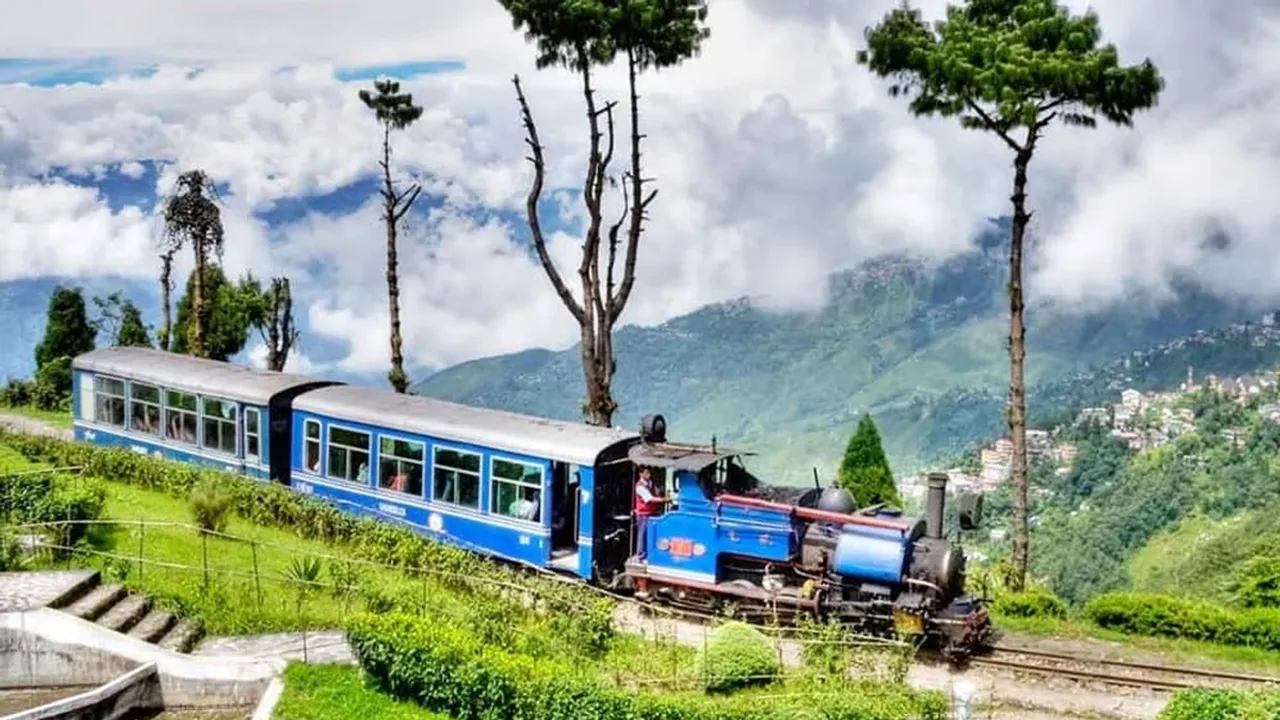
778	160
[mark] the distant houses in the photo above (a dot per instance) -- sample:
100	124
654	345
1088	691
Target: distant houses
1142	419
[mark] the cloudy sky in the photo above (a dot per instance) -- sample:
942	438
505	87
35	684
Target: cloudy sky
778	159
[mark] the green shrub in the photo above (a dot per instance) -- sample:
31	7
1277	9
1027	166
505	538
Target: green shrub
737	655
1256	583
1033	603
587	615
1215	704
211	505
1162	615
63	502
447	669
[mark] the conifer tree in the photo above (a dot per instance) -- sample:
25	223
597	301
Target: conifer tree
1011	68
864	470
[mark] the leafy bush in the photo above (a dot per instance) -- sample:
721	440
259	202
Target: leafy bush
1214	704
1033	603
62	501
737	655
211	505
1256	583
1162	615
447	669
585	614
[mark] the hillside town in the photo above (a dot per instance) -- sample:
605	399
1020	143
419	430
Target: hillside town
1144	420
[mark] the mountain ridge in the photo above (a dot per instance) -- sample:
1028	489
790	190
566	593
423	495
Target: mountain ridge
903	339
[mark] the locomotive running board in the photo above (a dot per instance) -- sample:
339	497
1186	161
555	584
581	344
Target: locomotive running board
642	575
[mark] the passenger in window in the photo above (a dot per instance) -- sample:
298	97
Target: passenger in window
397	482
362	474
525	509
313	457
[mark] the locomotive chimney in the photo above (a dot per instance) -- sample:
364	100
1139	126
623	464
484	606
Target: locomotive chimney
936	504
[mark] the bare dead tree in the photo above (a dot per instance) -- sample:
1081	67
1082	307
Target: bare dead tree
276	326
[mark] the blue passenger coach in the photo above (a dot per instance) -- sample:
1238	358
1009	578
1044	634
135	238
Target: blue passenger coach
509	485
188	409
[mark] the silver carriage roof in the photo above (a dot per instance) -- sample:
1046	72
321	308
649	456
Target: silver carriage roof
525	434
183	372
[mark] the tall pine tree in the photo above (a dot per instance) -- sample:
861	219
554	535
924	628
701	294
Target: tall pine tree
864	470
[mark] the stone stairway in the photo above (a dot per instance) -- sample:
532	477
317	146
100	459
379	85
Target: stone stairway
133	614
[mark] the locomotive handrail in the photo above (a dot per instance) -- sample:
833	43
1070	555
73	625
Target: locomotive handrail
814	514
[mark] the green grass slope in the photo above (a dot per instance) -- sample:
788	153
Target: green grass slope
923	348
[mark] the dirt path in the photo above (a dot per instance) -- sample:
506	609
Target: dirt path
31	426
999	695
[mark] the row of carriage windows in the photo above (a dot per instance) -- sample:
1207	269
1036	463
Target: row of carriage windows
515	488
176	416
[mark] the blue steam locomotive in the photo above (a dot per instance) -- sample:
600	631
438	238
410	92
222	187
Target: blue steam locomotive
551	494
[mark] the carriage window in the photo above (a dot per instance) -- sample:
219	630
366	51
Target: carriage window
144	402
311	445
180	414
109	401
219	420
400	465
457	477
348	455
516	490
252	433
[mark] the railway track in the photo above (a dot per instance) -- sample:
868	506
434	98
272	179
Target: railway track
1166	678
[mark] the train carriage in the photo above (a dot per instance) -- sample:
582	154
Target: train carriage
187	409
550	493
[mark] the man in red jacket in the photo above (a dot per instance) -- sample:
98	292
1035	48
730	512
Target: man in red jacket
648	503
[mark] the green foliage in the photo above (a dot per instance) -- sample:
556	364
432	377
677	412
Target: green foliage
1256	583
1165	616
233	311
133	332
578	612
864	471
449	670
1005	64
120	321
211	505
395	110
1031	603
67	334
577	34
1220	704
736	656
62	501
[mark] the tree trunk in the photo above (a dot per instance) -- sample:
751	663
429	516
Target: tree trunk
166	270
397	377
198	303
1017	389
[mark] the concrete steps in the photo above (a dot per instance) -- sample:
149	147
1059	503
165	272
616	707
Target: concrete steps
133	614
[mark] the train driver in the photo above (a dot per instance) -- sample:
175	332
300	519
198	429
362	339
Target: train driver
648	503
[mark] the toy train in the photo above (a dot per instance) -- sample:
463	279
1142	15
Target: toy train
552	494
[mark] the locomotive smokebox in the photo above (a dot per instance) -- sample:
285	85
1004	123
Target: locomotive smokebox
936	504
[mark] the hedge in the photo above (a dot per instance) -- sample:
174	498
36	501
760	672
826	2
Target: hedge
1215	704
1163	615
449	670
63	500
1031	603
736	655
273	505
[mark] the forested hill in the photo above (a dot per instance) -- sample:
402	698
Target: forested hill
1197	458
922	348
